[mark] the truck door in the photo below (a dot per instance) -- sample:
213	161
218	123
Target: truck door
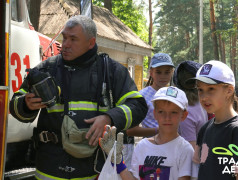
24	53
4	86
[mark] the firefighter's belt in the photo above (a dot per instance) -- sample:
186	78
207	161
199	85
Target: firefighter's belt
74	141
46	136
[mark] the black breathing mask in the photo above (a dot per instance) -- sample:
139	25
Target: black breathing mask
43	86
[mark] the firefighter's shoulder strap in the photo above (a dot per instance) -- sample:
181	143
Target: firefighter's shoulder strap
104	83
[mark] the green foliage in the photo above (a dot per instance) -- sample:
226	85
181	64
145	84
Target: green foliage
130	14
98	2
177	25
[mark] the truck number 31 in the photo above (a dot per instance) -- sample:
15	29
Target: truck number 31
15	60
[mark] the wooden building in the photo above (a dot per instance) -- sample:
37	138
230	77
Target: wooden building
113	36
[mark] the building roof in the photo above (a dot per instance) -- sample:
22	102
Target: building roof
55	13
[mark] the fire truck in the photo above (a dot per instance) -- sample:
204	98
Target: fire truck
21	47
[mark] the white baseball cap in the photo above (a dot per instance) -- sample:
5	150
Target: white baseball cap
215	72
172	94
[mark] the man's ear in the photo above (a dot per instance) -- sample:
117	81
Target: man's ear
92	42
185	114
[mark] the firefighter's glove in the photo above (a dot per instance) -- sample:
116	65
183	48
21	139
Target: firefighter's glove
107	142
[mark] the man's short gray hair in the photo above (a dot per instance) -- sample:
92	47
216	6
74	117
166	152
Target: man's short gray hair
88	25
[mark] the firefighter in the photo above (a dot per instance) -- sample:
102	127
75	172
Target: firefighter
88	91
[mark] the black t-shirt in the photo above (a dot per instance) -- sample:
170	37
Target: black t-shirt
219	150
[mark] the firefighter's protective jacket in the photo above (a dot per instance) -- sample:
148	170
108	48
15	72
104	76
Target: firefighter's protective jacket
52	161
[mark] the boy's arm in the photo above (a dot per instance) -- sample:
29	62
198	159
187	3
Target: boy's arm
127	175
184	178
142	132
198	146
196	156
193	143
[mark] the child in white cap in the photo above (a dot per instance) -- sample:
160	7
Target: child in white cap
166	156
217	143
161	72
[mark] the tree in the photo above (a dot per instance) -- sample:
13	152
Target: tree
132	15
151	23
34	12
108	4
234	38
226	15
177	32
213	29
222	46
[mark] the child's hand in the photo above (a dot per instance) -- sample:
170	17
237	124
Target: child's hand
107	142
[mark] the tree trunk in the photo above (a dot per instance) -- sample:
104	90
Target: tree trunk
108	4
230	49
197	32
213	30
151	23
187	39
222	45
150	31
233	52
34	13
234	40
221	49
224	49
